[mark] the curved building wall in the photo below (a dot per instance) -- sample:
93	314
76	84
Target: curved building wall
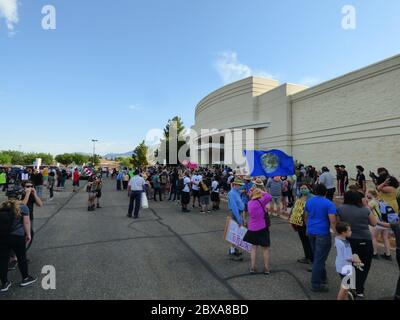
351	120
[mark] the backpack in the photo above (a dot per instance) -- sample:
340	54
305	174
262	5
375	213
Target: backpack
387	213
6	221
181	185
203	186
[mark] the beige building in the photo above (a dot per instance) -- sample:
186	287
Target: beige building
353	119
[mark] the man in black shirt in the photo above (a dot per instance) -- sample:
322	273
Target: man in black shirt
361	181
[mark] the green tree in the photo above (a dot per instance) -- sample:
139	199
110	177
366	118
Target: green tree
5	158
124	161
65	159
139	157
175	123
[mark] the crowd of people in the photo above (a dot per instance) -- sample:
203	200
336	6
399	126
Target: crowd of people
359	215
316	203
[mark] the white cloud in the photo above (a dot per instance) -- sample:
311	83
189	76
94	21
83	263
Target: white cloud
9	10
230	69
310	81
135	107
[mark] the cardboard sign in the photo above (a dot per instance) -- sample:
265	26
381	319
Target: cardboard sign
234	235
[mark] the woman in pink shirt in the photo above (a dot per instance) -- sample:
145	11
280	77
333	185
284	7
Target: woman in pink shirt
258	229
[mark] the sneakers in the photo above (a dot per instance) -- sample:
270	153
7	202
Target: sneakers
12	265
267	272
360	296
28	281
208	211
99	207
321	289
5	287
375	256
253	271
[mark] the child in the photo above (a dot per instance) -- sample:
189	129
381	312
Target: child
345	258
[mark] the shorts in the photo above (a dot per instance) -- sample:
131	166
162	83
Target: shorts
185	197
195	193
214	196
276	200
98	194
205	200
258	238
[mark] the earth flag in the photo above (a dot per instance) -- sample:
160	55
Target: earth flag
269	163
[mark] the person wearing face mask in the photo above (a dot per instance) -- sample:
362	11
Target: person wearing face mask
297	220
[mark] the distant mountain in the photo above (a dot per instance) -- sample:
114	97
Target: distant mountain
111	156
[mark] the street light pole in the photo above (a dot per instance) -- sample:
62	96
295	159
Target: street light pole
94	151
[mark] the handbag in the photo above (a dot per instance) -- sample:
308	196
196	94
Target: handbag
145	201
267	217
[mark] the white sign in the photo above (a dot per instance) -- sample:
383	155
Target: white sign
234	234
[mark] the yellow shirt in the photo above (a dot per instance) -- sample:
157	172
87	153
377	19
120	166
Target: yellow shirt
374	205
390	199
45	173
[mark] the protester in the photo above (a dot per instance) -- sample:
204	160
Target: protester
378	230
345	259
174	178
185	193
15	233
258	228
75	180
360	218
215	191
383	174
37	180
119	178
157	187
50	185
285	193
125	179
344	179
136	189
388	192
297	220
320	217
236	207
98	187
204	194
91	189
327	179
196	178
275	188
31	201
360	178
3	179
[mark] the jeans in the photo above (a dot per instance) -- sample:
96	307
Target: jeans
320	246
174	192
17	245
305	241
365	251
39	190
51	190
119	186
136	199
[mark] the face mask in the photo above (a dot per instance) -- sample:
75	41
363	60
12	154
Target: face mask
305	192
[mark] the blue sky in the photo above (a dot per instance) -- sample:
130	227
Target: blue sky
112	70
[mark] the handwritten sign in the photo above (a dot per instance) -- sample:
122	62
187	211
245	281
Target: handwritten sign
234	234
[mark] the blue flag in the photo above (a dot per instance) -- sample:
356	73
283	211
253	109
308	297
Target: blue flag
269	163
